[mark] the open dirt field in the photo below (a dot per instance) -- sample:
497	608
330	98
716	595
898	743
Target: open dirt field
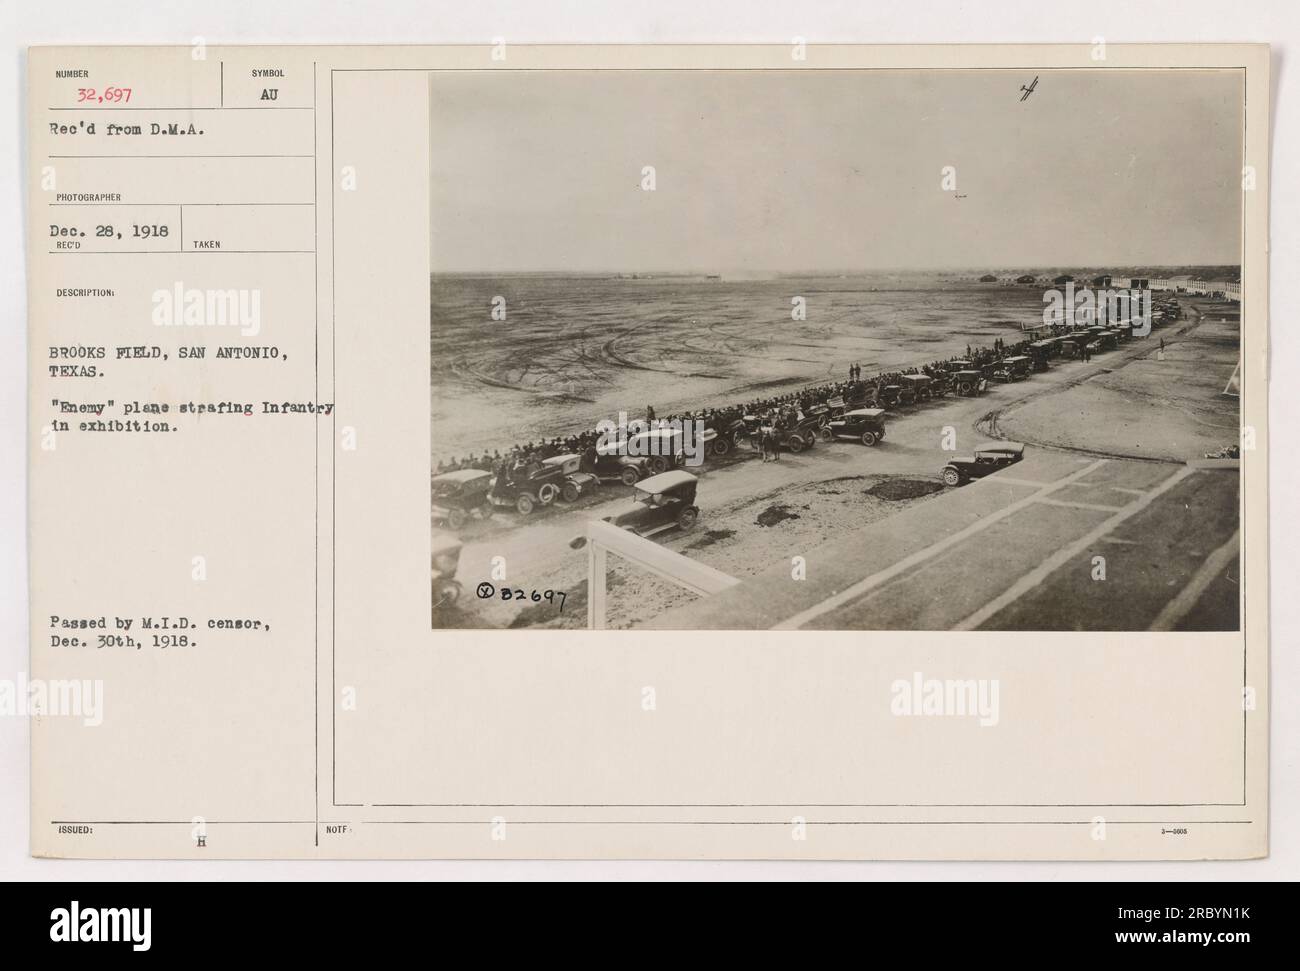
574	350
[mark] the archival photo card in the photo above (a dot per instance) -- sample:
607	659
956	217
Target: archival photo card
783	451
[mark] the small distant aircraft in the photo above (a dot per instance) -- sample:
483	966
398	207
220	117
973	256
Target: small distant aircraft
959	195
1028	90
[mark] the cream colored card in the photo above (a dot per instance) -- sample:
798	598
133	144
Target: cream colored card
678	452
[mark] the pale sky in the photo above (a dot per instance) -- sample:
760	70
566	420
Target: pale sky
833	170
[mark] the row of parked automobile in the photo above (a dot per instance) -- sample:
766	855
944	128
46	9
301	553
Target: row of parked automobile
458	497
474	494
466	494
469	493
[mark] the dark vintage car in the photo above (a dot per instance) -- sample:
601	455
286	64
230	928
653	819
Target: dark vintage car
866	425
720	436
445	561
749	427
528	486
893	395
1100	339
795	438
986	460
801	435
836	406
941	384
662	502
859	399
969	382
1041	353
661	448
823	413
920	387
610	465
457	496
575	482
1012	369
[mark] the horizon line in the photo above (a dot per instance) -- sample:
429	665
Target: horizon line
831	272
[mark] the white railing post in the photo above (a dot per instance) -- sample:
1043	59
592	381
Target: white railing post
603	538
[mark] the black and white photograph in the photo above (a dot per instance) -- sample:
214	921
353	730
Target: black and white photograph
837	349
563	442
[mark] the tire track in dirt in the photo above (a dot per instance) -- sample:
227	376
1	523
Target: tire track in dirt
462	369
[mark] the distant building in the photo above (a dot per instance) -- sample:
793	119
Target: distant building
988	278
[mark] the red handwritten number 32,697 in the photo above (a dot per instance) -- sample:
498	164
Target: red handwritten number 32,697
110	95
